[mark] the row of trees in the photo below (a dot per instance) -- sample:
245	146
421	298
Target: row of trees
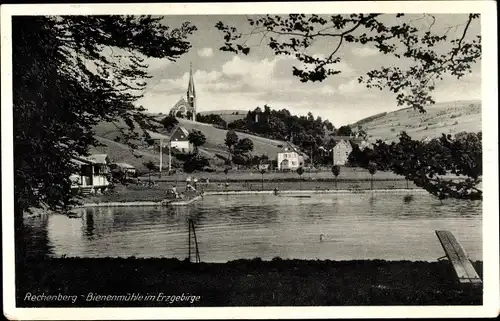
212	119
307	132
430	164
312	135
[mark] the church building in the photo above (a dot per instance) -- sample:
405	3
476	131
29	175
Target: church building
187	108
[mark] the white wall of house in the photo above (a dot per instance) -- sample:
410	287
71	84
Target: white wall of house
97	179
341	152
182	145
100	180
289	160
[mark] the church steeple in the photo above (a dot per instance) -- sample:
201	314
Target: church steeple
191	93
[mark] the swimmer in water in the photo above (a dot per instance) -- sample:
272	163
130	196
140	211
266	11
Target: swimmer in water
321	237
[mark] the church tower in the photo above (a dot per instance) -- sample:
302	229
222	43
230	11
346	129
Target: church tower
191	93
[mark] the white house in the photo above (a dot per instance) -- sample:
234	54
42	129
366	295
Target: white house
179	140
290	158
343	148
94	171
341	152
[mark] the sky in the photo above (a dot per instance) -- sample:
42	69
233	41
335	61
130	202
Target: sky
225	80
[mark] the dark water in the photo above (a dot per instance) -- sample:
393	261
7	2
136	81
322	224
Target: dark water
355	226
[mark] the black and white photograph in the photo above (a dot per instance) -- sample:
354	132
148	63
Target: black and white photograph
304	157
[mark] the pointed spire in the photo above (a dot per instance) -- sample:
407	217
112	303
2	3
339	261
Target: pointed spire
191	92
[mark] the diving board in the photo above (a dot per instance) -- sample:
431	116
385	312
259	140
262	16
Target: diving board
458	258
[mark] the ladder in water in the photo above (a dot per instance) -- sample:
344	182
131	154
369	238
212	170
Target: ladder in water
197	252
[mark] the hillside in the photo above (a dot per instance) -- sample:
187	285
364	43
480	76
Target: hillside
448	118
121	153
118	152
215	139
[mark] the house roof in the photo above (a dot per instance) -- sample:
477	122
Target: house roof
99	158
346	138
92	159
125	165
81	161
290	147
184	130
157	136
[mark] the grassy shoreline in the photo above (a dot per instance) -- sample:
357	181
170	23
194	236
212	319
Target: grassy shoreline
245	282
134	193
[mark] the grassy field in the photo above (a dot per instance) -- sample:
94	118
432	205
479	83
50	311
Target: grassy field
107	132
137	193
447	118
215	138
346	173
244	282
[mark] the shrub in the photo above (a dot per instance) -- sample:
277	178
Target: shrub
408	198
195	162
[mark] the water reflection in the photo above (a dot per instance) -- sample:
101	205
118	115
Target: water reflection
89	225
354	226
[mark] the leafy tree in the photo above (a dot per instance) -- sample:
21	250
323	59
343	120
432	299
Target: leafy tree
79	55
189	114
429	53
169	122
345	131
179	114
372	169
151	166
329	125
361	133
243	146
195	162
300	171
197	138
426	164
242	159
147	138
336	172
211	119
231	140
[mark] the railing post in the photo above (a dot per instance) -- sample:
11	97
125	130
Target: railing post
189	239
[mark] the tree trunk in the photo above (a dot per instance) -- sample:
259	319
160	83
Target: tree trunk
371	183
262	183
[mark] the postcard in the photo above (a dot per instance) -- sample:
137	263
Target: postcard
250	160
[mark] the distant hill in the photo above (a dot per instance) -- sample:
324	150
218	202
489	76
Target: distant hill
447	117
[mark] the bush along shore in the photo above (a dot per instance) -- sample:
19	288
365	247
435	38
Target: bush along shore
133	282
